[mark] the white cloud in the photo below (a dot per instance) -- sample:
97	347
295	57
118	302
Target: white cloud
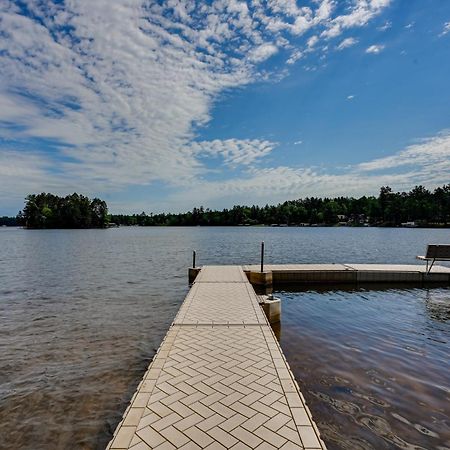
427	162
386	26
375	49
312	41
348	42
429	154
446	29
298	142
120	88
234	152
263	52
350	97
295	56
281	183
24	173
358	16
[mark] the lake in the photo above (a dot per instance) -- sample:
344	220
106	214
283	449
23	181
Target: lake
83	311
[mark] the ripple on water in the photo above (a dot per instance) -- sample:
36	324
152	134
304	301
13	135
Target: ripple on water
373	365
83	311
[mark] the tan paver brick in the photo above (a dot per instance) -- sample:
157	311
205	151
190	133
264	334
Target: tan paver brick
229	399
211	422
141	399
136	440
123	437
150	436
140	446
233	422
222	410
251	398
291	446
165	446
166	421
308	437
264	409
243	409
246	437
275	423
199	437
223	437
160	409
269	436
201	409
133	417
147	386
300	416
191	446
265	446
212	399
147	419
281	407
294	400
289	433
217	385
215	446
189	421
174	436
182	410
255	422
240	446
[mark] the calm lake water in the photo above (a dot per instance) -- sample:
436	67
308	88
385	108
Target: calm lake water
83	311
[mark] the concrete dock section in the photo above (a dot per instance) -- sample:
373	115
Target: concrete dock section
219	379
281	274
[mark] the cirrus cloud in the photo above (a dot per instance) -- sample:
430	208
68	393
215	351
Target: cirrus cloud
375	49
112	94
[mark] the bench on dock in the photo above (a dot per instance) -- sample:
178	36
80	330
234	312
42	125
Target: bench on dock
436	252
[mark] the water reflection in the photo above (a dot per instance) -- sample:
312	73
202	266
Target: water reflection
438	306
373	364
82	312
276	328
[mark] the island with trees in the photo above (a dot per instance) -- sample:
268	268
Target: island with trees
73	211
419	207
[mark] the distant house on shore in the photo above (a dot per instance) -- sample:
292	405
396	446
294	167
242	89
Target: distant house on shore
411	224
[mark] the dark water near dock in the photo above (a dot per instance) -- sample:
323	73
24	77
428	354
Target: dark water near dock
373	364
83	311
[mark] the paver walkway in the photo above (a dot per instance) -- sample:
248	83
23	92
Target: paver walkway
219	379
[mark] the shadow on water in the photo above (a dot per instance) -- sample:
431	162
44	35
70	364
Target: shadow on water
372	362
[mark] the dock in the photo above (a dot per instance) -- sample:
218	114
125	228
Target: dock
356	274
219	380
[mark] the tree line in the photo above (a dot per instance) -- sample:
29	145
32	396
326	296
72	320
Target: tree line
73	211
420	205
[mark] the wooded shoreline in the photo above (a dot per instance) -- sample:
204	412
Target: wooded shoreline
418	208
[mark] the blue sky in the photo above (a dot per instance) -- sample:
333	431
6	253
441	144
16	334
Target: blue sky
162	106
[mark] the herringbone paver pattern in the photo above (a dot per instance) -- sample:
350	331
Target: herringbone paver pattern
221	274
218	386
220	303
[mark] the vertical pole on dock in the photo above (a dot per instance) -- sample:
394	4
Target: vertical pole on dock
193	259
262	256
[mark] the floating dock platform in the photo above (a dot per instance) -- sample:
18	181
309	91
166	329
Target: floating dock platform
219	379
282	274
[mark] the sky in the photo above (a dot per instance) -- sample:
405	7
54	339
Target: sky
163	106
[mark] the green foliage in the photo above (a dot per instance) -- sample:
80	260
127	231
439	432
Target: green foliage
388	209
73	211
424	207
6	221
